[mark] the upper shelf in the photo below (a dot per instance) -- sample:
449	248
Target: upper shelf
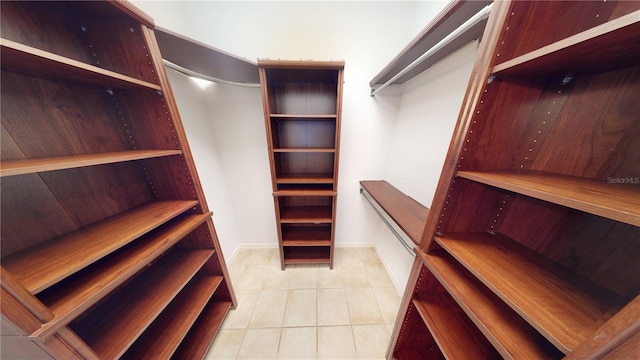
409	214
608	199
28	60
204	59
590	51
448	20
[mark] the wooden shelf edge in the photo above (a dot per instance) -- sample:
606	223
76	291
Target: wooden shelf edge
571	312
30	166
304	150
304	116
46	264
69	301
615	201
305	193
166	333
572	51
204	331
28	60
306	243
510	334
121	323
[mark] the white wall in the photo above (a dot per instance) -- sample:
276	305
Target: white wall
192	105
399	135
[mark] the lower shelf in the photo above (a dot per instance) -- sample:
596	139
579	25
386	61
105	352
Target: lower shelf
202	333
111	327
456	336
307	254
168	330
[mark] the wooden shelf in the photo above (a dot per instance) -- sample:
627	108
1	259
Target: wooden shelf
454	333
202	333
30	166
304	150
305	193
306	254
303	117
162	339
306	214
118	322
305	178
605	47
30	61
409	214
69	298
306	233
615	201
512	337
42	266
564	308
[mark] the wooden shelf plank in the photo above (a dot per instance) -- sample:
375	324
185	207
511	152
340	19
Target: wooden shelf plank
609	46
611	200
119	321
72	297
305	193
305	178
566	309
30	166
30	61
45	264
306	214
203	332
409	214
303	150
303	117
303	233
306	242
307	254
163	337
509	333
456	336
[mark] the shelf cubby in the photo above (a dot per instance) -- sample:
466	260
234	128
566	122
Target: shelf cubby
306	234
565	308
602	198
512	336
115	324
76	32
30	61
307	254
614	44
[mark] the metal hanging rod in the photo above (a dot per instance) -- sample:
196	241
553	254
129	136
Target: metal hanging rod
478	17
188	72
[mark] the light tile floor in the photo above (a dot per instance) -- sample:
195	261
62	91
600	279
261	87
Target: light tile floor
308	311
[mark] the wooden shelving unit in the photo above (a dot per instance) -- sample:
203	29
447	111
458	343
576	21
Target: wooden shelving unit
108	246
302	103
534	229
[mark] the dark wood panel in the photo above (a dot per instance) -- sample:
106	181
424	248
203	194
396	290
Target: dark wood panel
415	341
294	163
31	214
303	98
201	335
531	20
303	134
47	118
